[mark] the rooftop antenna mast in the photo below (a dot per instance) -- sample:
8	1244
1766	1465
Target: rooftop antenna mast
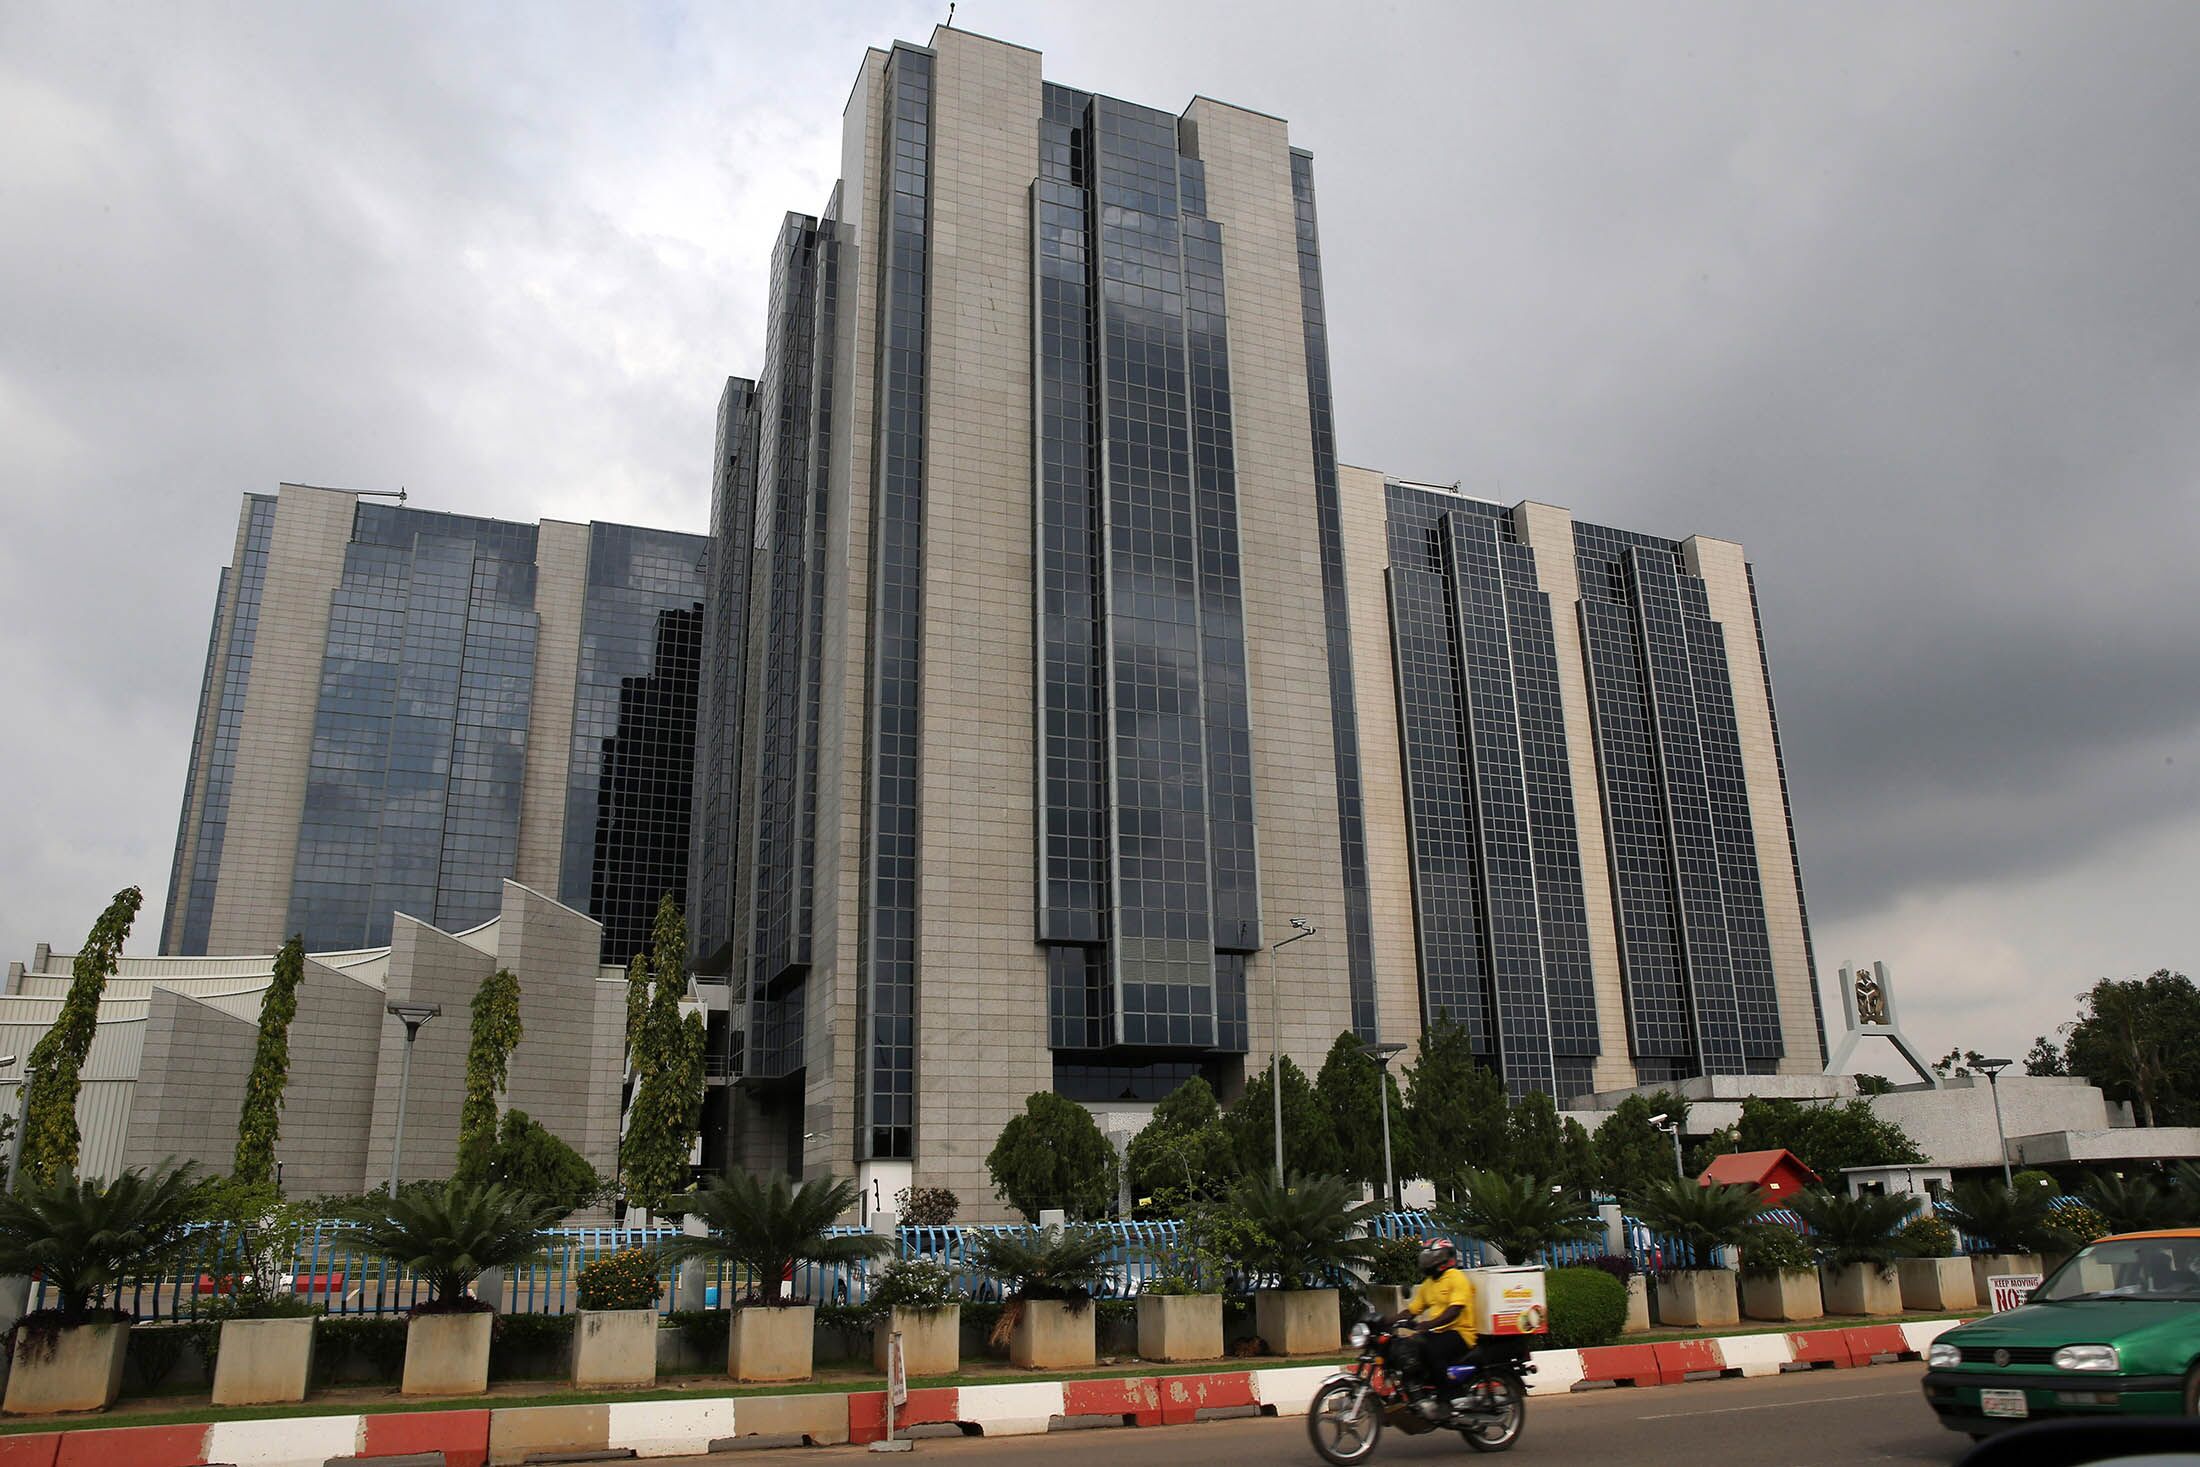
950	14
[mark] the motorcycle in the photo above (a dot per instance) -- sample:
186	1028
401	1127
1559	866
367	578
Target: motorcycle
1485	1401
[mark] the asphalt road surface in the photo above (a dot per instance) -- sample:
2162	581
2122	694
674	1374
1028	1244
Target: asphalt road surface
1818	1419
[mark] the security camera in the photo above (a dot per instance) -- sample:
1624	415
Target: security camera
1302	924
1658	1119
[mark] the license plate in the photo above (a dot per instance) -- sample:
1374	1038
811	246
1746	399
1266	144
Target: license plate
2003	1403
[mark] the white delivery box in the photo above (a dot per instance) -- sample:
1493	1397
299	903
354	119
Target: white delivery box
1509	1301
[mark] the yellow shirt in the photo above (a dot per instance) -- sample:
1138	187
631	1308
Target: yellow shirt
1435	1295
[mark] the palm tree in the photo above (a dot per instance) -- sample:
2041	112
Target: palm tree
1045	1264
2132	1204
2007	1220
1520	1216
1702	1218
2185	1187
1846	1230
770	1226
83	1238
1302	1231
449	1235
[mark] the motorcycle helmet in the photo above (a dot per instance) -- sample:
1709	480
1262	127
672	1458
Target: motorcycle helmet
1438	1254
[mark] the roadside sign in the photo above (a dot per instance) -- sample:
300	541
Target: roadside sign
897	1371
2010	1290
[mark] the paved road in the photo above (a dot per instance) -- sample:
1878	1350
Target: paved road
1821	1419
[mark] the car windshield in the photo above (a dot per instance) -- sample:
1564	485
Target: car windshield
2128	1268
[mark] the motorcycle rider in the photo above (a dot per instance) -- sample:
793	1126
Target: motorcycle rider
1441	1313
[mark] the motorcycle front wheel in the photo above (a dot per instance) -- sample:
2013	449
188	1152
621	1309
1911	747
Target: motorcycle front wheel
1500	1409
1344	1422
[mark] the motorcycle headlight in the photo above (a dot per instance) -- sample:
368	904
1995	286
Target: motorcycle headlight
1358	1336
2087	1357
1941	1355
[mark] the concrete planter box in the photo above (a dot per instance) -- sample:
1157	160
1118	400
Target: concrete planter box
1387	1299
1861	1288
447	1354
1783	1296
82	1371
1051	1335
1638	1306
1986	1266
1179	1326
261	1361
931	1340
1936	1284
766	1342
1699	1296
1298	1321
615	1347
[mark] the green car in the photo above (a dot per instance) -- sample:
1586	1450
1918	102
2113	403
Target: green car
2114	1331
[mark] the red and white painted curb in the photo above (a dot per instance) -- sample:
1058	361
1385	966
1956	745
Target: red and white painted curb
497	1436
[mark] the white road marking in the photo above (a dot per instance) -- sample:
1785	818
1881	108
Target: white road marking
1774	1405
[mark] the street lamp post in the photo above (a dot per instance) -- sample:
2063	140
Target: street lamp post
1991	1069
1383	1054
1673	1129
412	1016
1300	928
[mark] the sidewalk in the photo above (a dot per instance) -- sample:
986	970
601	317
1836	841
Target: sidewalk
690	1425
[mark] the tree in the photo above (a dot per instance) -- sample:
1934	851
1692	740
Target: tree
1456	1111
531	1158
1301	1230
2006	1219
49	1127
668	1067
637	1002
1518	1215
1632	1153
1182	1158
768	1227
1053	1155
1701	1218
1533	1136
1309	1140
1350	1088
449	1235
2135	1204
496	1033
83	1237
1874	1085
2139	1040
1959	1062
1577	1160
260	1123
1846	1230
1719	1143
2044	1058
1829	1139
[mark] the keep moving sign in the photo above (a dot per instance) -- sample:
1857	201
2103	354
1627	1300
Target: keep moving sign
2010	1290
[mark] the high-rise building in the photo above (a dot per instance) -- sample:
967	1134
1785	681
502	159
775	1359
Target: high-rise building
1052	666
403	708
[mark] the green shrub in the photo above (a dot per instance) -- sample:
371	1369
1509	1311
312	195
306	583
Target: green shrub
1588	1307
912	1283
703	1330
1774	1248
1926	1236
1395	1261
152	1352
626	1279
380	1342
926	1207
529	1344
2074	1225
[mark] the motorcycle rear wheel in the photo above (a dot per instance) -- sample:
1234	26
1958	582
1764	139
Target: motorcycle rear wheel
1506	1406
1344	1422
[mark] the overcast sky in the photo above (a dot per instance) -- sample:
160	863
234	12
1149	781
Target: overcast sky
1905	298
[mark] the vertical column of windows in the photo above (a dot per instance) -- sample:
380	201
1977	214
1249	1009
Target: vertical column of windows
720	694
1691	845
171	921
1233	853
250	576
1343	714
887	1012
1482	648
488	761
431	657
825	314
1795	857
1433	750
630	775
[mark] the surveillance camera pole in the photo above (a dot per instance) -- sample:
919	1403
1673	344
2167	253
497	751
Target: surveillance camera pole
1303	928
